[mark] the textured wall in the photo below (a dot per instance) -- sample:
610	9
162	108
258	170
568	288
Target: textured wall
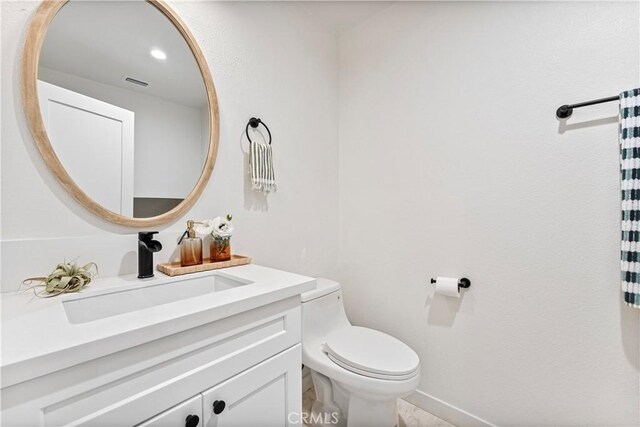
452	163
266	60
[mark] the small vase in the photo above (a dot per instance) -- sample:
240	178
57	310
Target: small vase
220	250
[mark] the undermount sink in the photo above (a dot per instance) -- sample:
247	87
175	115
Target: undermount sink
90	306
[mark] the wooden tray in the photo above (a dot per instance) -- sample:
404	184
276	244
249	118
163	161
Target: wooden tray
174	268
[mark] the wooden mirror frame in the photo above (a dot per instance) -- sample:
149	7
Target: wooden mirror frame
31	57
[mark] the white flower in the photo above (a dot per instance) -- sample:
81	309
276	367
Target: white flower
222	228
203	227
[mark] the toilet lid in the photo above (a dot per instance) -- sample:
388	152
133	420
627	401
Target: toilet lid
371	353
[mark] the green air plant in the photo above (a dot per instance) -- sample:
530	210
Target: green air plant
66	278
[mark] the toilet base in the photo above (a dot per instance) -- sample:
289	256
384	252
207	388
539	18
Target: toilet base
337	406
325	411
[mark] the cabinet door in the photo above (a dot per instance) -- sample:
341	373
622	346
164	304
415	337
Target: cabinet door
187	414
266	395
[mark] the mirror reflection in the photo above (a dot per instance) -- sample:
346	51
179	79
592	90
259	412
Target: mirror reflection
124	105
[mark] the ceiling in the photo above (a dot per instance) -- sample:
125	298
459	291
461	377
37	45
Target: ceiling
105	41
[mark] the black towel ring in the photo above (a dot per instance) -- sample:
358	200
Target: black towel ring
254	123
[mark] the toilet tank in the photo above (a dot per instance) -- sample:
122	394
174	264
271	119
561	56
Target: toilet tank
322	310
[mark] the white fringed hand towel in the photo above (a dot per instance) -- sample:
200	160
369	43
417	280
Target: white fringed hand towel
630	185
262	176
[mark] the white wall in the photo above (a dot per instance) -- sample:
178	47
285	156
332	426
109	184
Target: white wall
266	60
168	135
452	163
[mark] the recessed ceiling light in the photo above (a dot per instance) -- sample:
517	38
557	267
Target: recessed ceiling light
158	54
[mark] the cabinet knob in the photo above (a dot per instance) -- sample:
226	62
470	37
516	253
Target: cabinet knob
192	421
218	406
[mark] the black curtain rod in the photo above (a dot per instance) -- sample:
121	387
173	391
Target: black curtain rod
565	111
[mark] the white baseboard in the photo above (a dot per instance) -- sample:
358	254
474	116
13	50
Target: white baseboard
446	411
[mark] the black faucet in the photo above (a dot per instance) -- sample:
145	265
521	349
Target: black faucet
146	247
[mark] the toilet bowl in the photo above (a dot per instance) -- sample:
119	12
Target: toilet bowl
358	373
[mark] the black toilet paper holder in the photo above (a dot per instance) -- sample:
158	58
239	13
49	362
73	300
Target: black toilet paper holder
462	283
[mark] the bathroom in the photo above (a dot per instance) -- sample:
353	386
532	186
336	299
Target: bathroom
410	140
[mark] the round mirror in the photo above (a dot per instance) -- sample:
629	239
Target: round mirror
122	107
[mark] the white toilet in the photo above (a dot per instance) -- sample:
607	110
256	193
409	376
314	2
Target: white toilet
358	373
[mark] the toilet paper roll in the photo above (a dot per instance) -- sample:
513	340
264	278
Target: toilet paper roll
448	286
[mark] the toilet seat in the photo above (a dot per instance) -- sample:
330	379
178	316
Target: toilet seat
371	353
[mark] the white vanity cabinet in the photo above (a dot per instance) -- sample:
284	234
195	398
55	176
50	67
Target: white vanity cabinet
250	360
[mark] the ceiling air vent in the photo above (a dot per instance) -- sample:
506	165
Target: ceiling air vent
136	81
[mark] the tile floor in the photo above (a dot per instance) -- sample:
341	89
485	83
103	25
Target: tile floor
410	415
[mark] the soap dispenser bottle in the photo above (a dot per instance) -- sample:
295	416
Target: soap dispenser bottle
190	247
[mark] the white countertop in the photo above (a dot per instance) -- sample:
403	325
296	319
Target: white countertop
37	337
